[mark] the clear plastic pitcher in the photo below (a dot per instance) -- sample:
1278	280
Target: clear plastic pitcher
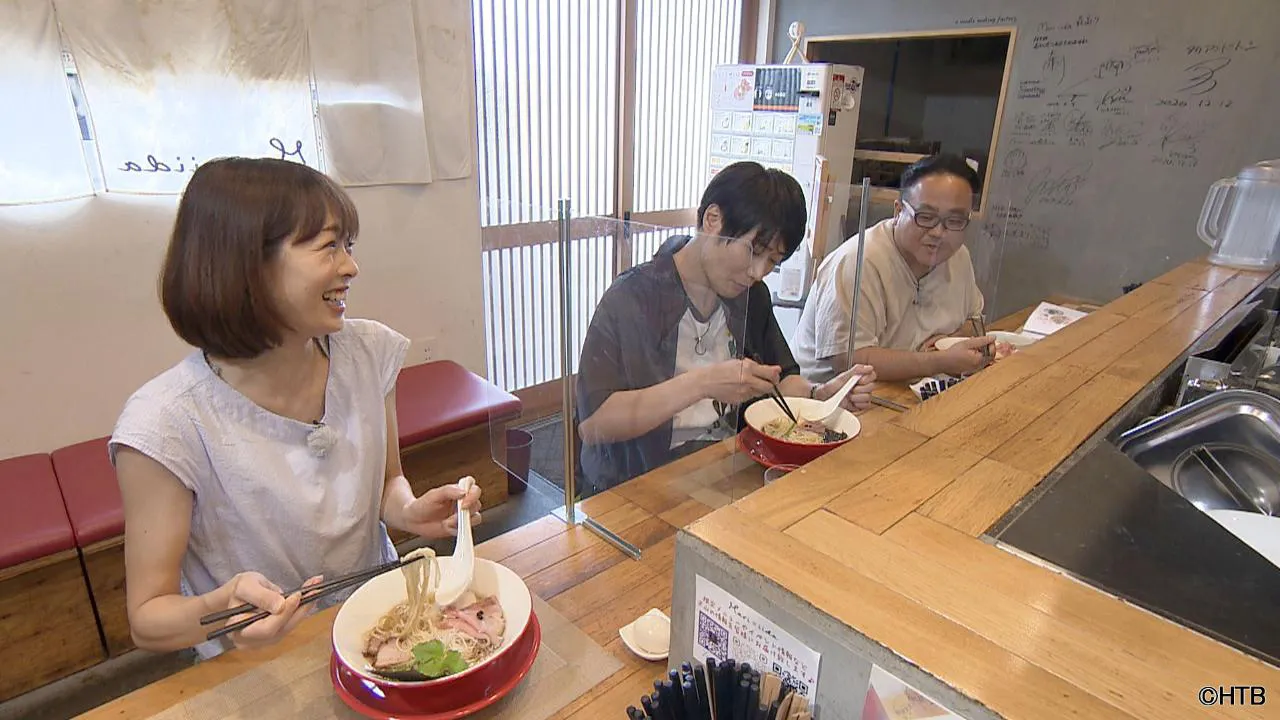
1241	218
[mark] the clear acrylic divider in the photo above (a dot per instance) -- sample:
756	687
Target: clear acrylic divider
523	305
657	355
991	249
1033	298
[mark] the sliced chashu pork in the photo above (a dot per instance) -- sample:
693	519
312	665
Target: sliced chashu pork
480	620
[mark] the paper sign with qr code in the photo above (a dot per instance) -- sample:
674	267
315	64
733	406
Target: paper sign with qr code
724	627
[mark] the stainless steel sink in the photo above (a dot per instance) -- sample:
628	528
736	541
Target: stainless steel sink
1219	452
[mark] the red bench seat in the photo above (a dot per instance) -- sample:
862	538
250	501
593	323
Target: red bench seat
33	521
44	601
93	500
442	397
90	491
446	416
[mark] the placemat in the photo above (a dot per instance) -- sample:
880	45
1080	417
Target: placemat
297	685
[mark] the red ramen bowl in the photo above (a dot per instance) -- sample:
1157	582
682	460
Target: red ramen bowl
375	598
761	412
452	701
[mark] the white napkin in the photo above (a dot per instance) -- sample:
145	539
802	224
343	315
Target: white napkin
1049	318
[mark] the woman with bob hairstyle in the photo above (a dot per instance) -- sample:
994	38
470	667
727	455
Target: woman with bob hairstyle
270	454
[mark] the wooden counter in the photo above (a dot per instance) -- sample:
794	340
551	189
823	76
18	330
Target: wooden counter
881	533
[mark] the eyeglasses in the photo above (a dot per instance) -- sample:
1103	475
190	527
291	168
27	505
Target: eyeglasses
930	220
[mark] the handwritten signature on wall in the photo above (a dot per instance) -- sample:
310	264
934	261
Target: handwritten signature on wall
154	165
1052	187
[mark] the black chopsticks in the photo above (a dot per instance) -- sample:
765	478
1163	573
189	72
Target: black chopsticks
782	402
309	595
721	691
776	395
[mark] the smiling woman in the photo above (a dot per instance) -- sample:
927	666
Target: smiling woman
270	454
287	223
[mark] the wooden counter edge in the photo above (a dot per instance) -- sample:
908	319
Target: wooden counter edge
955	655
962	655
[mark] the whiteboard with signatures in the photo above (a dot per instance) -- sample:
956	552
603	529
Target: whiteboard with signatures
725	627
1113	124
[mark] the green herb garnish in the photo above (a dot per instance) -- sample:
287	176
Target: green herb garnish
431	660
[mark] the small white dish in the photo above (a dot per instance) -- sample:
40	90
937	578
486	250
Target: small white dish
648	636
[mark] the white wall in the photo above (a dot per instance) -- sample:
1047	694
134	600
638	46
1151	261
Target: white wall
85	327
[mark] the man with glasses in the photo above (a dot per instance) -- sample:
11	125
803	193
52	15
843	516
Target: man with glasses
917	286
679	345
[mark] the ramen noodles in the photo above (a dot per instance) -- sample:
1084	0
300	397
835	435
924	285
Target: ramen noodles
419	638
805	432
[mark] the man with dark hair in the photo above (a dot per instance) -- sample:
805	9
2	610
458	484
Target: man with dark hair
677	344
917	286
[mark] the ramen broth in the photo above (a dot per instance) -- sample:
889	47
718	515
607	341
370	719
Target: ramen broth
805	432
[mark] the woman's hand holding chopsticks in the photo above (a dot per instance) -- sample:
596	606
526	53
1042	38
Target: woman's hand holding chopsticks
266	602
286	611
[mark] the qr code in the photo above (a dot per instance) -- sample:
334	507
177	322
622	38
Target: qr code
713	636
791	680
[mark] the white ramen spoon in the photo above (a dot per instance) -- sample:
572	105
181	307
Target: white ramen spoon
829	406
456	576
